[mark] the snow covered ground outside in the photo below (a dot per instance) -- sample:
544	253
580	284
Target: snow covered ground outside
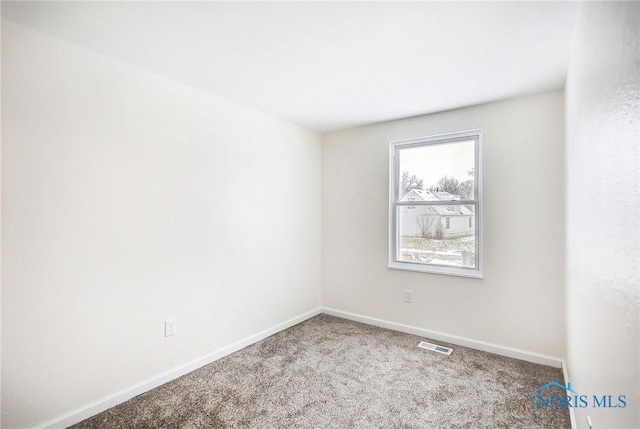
442	252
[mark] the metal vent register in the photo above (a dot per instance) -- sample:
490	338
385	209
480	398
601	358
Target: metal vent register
435	348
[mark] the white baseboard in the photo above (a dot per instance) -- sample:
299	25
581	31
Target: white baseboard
572	413
92	409
453	339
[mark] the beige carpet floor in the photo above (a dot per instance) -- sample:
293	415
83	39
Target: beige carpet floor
333	373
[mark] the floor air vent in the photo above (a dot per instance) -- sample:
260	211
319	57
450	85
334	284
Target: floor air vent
435	348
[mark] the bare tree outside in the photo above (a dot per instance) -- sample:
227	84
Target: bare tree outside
447	184
466	187
409	182
428	226
463	189
425	223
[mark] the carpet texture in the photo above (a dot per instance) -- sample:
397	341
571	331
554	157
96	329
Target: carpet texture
334	373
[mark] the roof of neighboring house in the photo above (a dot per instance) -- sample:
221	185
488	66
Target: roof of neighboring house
452	210
423	195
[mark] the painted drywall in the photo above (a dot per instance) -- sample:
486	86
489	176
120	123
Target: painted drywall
0	228
129	199
603	211
520	301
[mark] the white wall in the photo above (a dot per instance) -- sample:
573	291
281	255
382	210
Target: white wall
520	302
129	199
603	210
0	229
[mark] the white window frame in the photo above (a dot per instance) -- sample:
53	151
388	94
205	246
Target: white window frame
394	202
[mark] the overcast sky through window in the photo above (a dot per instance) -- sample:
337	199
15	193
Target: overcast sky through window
431	162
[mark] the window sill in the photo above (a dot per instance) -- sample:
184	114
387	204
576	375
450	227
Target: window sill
437	269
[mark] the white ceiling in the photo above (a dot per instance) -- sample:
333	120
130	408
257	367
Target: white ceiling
323	65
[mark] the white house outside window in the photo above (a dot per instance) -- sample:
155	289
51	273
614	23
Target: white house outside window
435	204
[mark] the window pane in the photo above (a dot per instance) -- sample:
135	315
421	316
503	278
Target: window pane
437	235
445	170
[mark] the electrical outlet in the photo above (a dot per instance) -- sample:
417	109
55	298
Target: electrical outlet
408	296
169	327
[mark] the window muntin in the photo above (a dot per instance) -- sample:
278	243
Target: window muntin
435	204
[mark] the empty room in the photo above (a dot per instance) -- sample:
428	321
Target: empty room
320	214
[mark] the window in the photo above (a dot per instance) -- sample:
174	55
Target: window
435	204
